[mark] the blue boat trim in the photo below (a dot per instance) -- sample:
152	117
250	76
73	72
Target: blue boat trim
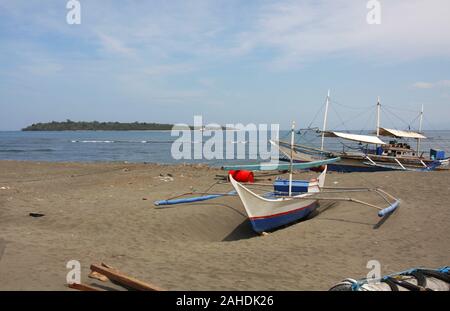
282	185
191	200
266	223
347	168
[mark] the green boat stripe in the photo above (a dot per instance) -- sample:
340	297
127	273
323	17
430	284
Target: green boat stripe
279	166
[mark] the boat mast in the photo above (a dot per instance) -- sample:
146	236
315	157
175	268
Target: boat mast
324	128
378	121
420	131
292	157
378	116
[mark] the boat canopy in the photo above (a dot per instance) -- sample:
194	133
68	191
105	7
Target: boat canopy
355	137
400	134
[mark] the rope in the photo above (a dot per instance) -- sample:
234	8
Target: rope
393	280
399	109
352	148
370	120
433	129
317	114
339	116
351	107
395	115
388	116
370	115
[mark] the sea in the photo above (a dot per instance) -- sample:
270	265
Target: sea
156	146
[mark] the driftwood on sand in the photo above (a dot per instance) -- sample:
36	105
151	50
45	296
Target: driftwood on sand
105	272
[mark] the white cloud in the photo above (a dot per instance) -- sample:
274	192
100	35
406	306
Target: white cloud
293	32
444	83
114	45
430	85
423	85
169	69
303	31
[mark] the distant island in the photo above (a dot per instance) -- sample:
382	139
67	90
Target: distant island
70	125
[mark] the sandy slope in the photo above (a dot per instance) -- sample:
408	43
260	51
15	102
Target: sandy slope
97	212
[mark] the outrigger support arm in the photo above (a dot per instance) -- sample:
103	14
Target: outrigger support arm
382	211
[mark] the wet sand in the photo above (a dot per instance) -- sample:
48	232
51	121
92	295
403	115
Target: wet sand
103	212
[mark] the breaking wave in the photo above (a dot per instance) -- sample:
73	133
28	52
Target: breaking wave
122	141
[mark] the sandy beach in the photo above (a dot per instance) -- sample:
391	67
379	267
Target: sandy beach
103	212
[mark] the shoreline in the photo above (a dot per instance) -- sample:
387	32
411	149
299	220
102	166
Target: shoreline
101	162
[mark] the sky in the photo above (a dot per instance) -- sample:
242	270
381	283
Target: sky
230	61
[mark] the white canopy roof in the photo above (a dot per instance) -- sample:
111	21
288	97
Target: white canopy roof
400	134
355	137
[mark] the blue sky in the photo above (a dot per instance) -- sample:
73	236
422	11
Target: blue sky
230	61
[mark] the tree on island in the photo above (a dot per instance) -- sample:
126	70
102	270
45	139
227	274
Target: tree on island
70	125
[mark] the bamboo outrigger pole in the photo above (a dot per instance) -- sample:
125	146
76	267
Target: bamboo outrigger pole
378	116
420	131
324	128
292	157
378	119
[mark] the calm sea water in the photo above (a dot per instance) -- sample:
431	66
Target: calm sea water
140	146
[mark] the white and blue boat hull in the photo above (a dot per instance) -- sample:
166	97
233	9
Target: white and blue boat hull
268	223
268	213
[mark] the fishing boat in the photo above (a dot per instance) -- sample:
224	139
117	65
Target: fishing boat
290	200
272	210
372	154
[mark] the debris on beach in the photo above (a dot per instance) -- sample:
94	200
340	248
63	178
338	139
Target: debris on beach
167	178
5	188
36	214
105	273
418	279
98	276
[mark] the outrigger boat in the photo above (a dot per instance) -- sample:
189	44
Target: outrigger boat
382	156
270	211
291	200
275	209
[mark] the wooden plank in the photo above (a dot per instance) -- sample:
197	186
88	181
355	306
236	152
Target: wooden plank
122	279
107	266
98	276
84	287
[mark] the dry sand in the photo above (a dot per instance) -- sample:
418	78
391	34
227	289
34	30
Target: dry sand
104	212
